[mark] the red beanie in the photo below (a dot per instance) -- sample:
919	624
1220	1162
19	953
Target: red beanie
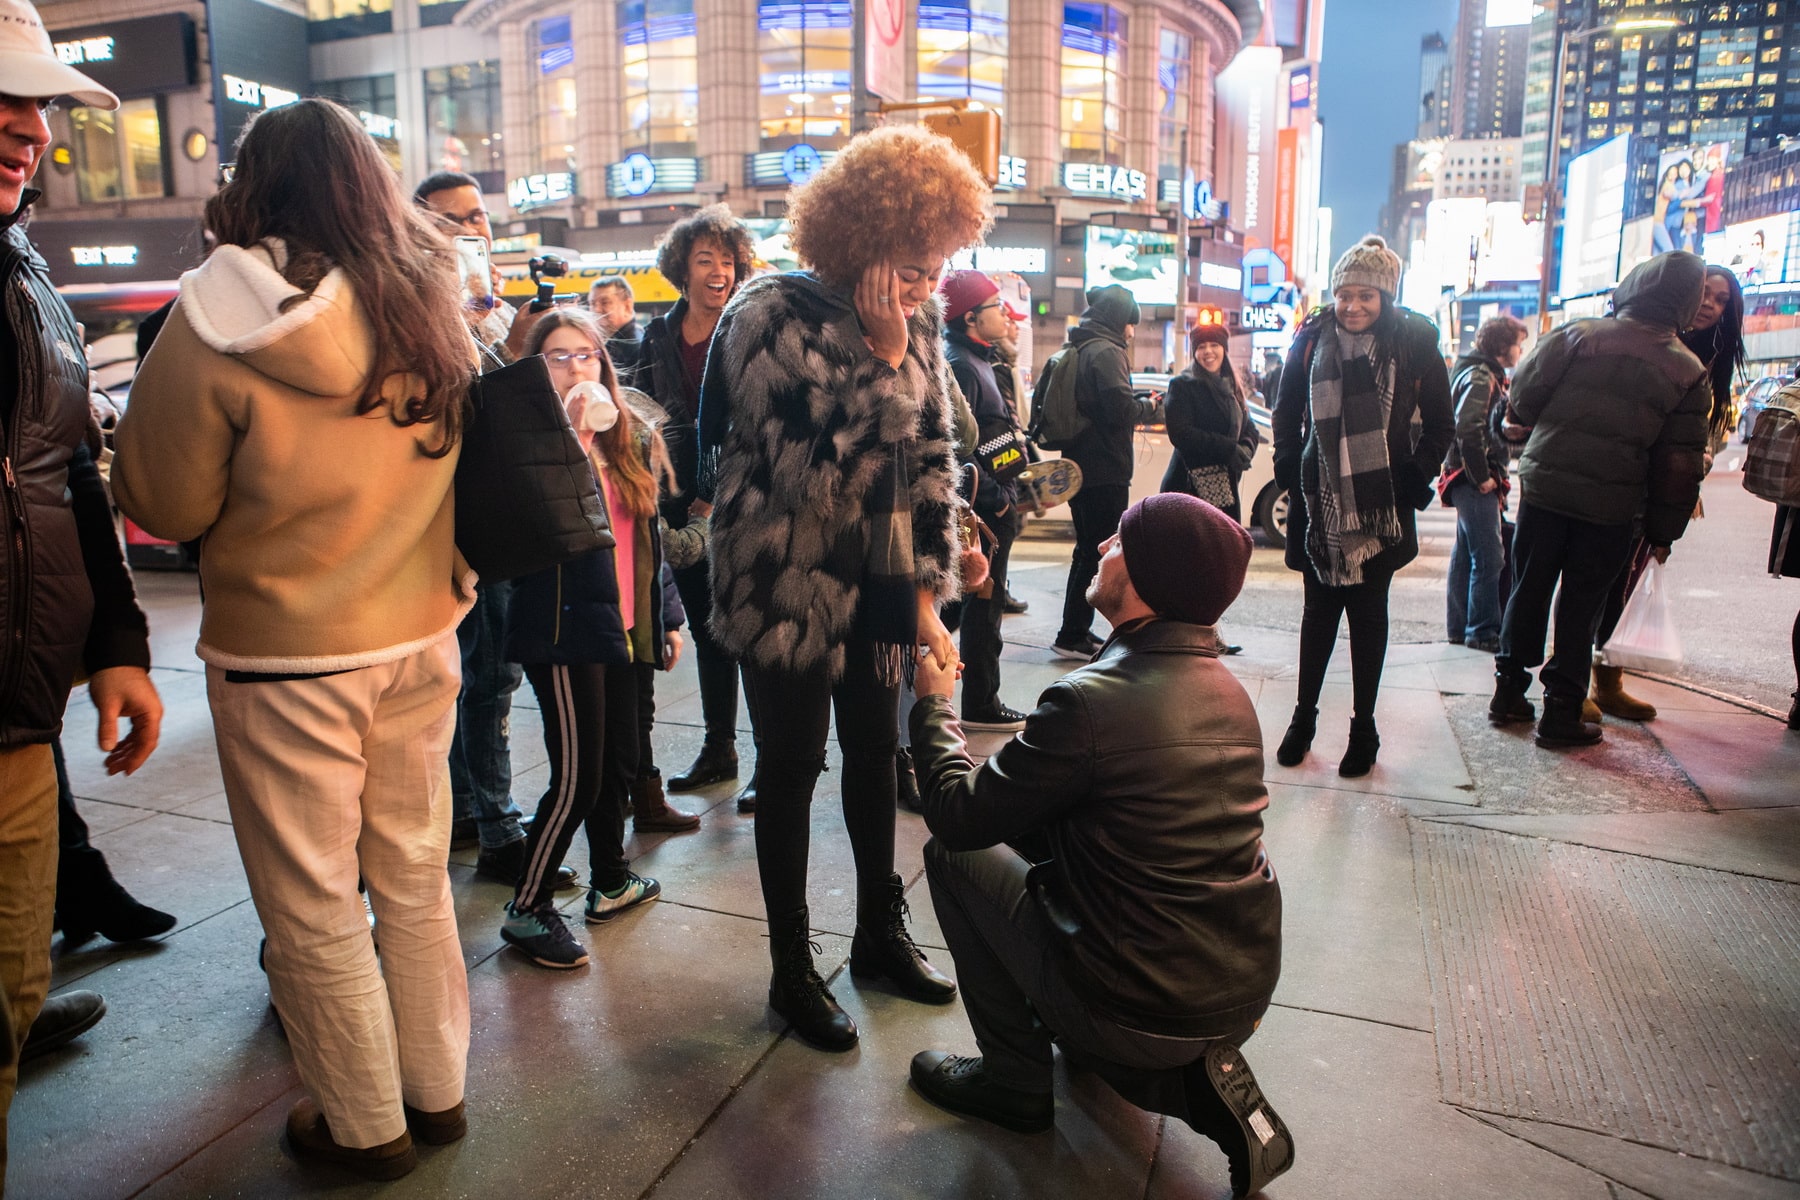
1185	557
964	290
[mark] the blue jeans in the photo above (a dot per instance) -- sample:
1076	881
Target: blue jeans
481	753
1473	590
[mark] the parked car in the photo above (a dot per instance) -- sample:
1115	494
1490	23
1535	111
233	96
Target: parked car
1754	399
1264	506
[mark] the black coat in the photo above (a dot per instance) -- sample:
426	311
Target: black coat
1421	385
1208	427
660	373
66	596
972	365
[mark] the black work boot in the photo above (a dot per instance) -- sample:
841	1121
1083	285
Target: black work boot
796	992
1509	703
89	901
1225	1104
1299	737
716	762
1359	755
1562	727
884	949
745	799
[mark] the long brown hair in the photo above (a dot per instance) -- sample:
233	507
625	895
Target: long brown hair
308	173
633	450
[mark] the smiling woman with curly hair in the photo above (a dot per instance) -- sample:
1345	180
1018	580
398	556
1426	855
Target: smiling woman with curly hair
825	440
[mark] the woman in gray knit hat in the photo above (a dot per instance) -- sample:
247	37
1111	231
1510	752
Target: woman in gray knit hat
1344	448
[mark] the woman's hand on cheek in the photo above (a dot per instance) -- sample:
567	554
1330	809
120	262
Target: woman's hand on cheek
878	308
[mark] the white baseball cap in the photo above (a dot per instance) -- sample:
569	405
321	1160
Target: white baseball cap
29	66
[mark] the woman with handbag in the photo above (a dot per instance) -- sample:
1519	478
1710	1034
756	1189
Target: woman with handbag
581	630
302	409
826	449
1358	373
1209	428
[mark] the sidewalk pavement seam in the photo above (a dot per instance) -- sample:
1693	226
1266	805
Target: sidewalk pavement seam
1710	693
1458	819
223	1134
718	1110
1331	1012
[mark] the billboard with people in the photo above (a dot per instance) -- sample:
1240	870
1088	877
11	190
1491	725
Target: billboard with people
1141	262
1690	197
1755	251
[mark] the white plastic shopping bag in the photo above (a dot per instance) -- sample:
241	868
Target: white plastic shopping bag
1645	638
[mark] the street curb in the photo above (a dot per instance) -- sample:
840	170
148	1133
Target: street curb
1698	689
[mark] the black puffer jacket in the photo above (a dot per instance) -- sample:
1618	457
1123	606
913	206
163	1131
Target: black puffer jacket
1618	407
65	595
1104	396
1421	386
972	366
1143	773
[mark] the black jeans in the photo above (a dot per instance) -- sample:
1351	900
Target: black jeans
1096	512
1018	995
791	754
590	732
1550	549
1365	604
718	671
981	640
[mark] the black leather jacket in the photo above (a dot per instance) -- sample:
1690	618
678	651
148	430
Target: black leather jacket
660	374
66	600
1142	772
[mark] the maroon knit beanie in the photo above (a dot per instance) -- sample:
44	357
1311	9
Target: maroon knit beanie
1185	557
1199	335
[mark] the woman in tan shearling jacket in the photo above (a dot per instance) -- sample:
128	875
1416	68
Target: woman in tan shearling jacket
300	412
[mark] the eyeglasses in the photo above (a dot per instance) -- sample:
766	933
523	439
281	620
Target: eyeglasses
562	358
985	307
469	220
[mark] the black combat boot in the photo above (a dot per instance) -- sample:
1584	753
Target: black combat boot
1562	727
796	992
1509	703
1359	755
884	949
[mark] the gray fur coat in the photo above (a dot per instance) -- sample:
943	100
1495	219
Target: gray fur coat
803	419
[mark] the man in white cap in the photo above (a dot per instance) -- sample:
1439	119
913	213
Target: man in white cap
64	589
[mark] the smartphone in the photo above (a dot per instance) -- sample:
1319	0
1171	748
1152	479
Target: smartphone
477	275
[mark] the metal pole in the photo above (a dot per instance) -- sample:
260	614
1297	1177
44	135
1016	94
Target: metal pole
862	104
1181	245
1552	182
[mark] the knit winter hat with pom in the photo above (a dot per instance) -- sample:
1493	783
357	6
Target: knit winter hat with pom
1369	263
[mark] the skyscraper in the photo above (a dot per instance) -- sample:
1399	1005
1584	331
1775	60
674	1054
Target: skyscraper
1434	87
1727	73
1489	67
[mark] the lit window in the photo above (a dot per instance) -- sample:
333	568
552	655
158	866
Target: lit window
962	51
462	120
1093	85
662	83
1174	73
372	100
804	81
328	20
551	43
118	155
1598	109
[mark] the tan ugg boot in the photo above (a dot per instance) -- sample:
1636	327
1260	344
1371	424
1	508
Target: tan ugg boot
1612	699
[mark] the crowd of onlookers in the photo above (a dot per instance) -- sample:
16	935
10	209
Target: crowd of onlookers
816	478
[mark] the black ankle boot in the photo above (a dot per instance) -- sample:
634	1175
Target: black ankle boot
89	901
884	949
1509	703
1299	737
746	796
1561	726
716	762
1359	755
908	780
796	992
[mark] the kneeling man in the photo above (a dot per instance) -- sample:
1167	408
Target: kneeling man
1146	939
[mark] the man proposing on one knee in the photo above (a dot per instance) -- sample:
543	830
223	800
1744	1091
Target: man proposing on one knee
1146	939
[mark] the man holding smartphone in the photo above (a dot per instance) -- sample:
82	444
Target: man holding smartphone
456	198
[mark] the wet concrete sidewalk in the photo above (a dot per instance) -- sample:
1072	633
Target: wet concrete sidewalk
1506	973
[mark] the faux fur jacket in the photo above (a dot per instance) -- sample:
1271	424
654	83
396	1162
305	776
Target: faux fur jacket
798	418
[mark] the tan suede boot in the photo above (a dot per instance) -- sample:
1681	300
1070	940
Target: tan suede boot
1612	699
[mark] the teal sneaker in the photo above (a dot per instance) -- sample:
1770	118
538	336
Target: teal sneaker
604	906
542	936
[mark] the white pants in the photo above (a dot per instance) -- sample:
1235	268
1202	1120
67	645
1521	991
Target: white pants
328	779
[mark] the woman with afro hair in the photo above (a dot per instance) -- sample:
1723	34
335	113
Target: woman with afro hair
826	452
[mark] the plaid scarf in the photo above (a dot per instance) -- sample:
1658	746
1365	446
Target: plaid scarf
1351	515
887	612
